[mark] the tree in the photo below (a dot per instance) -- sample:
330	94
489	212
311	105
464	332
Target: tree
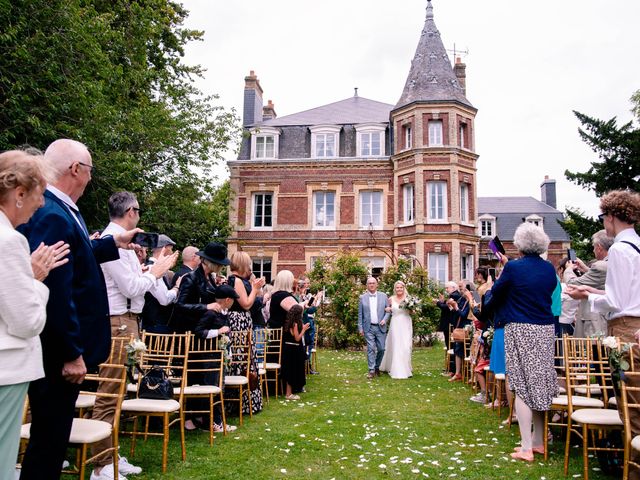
110	73
618	148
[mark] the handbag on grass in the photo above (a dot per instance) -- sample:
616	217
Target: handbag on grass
155	385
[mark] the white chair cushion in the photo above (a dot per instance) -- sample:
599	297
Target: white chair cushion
467	359
132	387
635	442
262	371
273	366
578	401
499	376
613	401
235	380
85	401
83	430
597	416
260	365
562	390
313	350
450	351
595	389
151	406
198	390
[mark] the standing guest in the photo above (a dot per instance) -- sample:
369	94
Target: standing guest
523	292
293	356
456	310
308	317
282	299
372	324
76	334
155	317
23	296
267	290
483	321
590	323
240	316
126	287
198	288
568	306
190	261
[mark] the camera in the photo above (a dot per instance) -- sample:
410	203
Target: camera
145	239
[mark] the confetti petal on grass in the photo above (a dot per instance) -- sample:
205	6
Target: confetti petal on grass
283	470
382	465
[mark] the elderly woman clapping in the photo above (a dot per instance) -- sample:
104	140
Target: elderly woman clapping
23	296
523	295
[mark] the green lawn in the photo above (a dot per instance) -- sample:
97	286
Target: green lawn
347	427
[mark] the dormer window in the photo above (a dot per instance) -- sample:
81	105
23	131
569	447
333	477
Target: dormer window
537	220
487	225
370	140
264	143
325	141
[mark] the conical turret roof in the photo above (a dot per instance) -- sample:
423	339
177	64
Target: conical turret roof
431	77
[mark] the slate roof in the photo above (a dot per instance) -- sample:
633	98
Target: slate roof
431	77
511	211
350	111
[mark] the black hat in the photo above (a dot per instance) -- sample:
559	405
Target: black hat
216	253
225	291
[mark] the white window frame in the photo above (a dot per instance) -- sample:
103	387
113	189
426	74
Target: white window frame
440	205
254	211
408	204
407	133
467	266
369	130
324	194
439	271
265	132
491	221
462	130
537	220
436	134
464	203
261	271
319	134
362	195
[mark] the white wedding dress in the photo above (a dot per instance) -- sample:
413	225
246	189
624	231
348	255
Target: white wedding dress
397	353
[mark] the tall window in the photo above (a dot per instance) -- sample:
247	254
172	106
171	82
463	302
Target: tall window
265	147
371	209
486	228
438	267
466	267
464	202
435	133
408	203
370	144
262	268
408	138
325	145
263	210
462	136
324	209
437	201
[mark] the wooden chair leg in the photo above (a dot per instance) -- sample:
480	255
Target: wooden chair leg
165	441
545	437
585	451
182	439
567	446
240	404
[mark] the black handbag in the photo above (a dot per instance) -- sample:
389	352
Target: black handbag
155	385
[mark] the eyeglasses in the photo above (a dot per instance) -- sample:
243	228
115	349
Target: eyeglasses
136	209
601	217
91	167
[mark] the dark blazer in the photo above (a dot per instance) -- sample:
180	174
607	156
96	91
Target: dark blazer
211	320
183	270
77	310
191	304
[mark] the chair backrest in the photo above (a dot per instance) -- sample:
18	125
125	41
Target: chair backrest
170	352
587	368
274	345
205	359
260	340
630	396
240	350
118	382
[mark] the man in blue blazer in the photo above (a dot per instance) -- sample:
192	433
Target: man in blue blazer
372	324
77	333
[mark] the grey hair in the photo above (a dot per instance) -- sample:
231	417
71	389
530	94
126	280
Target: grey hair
531	239
601	238
451	284
284	281
119	203
62	153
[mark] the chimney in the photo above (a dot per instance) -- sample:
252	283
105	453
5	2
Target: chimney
548	191
252	111
460	70
269	112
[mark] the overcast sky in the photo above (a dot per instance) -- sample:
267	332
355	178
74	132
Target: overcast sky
529	65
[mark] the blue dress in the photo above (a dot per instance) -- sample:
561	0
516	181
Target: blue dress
497	358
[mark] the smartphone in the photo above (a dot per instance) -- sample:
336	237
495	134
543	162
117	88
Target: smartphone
311	300
495	245
492	274
571	254
146	239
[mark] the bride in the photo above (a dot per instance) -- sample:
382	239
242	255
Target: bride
397	353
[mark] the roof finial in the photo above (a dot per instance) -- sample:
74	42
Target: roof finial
355	91
429	9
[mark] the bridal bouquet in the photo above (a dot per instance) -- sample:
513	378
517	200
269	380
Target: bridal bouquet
134	350
413	306
617	351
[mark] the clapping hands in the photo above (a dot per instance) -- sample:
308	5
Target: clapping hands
45	258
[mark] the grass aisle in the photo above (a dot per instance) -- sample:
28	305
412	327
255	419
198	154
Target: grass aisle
347	427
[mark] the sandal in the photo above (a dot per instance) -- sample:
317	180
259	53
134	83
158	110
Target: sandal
539	450
524	456
292	397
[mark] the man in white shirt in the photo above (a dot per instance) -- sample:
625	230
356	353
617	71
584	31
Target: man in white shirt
126	286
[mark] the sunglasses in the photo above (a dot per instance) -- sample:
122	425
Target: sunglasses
601	216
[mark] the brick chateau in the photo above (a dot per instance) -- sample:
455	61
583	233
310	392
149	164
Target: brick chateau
383	180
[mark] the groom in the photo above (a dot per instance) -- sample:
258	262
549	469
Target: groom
372	324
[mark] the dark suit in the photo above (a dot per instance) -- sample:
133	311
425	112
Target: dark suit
183	270
196	292
77	324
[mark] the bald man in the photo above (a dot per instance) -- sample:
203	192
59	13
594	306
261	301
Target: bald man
190	261
77	332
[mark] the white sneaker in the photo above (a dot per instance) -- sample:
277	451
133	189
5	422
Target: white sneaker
125	468
106	474
218	428
479	398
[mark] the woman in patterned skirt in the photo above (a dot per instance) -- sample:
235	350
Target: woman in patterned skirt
240	318
523	296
